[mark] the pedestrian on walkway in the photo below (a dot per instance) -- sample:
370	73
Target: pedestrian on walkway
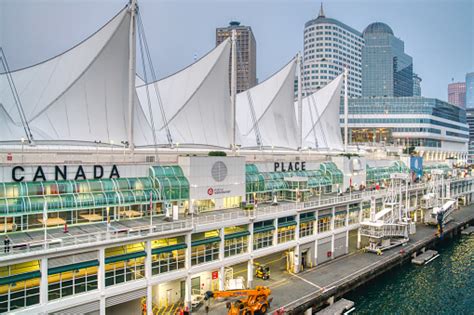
6	245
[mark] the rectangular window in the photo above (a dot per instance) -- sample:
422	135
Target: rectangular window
263	239
235	246
204	253
306	229
286	234
72	282
324	224
166	262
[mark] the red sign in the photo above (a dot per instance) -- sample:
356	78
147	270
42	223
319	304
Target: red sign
210	191
215	275
9	157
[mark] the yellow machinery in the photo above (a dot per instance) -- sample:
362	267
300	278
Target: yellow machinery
262	271
256	301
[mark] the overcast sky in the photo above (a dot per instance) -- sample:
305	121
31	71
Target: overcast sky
438	34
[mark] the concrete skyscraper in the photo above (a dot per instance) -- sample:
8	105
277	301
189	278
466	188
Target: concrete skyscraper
246	53
457	94
470	90
329	46
386	69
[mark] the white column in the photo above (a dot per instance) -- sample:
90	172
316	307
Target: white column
275	234
347	230
221	278
221	258
148	273
187	293
332	231
250	273
44	281
101	280
315	252
296	259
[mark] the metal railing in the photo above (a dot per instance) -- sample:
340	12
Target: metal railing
201	220
95	237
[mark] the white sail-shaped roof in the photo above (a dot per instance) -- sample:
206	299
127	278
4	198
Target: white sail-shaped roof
80	95
195	105
321	126
265	113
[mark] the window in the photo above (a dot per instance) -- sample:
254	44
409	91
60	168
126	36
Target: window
166	262
324	224
72	282
339	220
286	234
124	271
306	229
263	239
204	253
235	246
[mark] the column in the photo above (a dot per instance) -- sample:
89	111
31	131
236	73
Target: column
148	273
221	258
296	259
101	280
187	284
332	231
297	229
315	252
347	230
275	234
250	273
187	292
221	278
44	281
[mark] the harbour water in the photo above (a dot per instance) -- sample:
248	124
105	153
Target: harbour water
444	286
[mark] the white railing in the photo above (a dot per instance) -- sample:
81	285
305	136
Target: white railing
202	220
94	237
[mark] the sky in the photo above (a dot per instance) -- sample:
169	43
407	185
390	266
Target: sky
438	34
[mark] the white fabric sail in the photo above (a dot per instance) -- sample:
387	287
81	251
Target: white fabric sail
265	114
321	125
80	95
195	103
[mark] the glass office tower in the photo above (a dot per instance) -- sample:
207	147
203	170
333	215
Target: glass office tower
386	69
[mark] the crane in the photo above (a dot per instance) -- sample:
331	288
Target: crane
256	300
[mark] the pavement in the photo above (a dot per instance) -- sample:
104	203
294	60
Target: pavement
293	289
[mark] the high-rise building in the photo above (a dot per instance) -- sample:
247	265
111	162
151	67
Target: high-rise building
416	85
457	94
246	53
470	122
470	90
329	46
386	69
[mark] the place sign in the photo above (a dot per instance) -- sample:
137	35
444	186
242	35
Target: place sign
289	166
65	172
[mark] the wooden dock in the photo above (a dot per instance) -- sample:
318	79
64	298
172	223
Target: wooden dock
468	231
337	308
425	257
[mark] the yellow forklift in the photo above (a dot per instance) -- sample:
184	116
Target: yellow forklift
262	271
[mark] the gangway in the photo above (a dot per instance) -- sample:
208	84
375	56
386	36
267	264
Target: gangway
389	227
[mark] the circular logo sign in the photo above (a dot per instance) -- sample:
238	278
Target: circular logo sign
210	191
219	171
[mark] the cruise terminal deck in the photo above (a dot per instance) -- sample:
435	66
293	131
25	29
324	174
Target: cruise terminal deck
295	293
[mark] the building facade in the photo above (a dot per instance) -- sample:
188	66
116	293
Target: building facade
470	122
457	94
246	53
438	129
416	85
470	90
386	69
329	46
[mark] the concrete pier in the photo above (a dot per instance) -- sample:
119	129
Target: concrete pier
337	308
468	231
425	257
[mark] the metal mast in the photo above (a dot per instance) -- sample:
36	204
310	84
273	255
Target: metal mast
131	71
346	110
300	104
233	85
